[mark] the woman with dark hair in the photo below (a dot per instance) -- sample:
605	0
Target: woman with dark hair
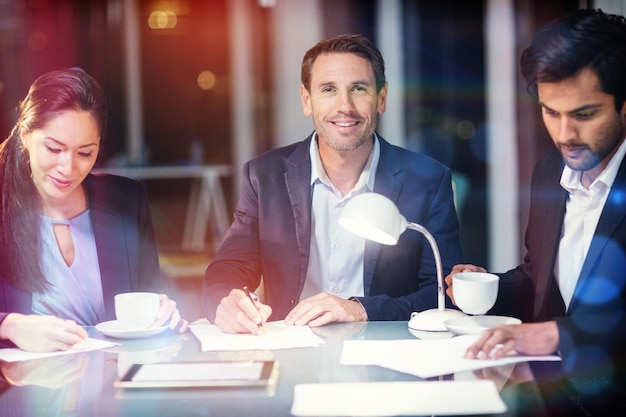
69	240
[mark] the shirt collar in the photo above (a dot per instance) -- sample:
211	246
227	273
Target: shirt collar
570	179
368	175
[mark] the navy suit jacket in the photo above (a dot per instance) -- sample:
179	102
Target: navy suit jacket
124	235
592	332
271	234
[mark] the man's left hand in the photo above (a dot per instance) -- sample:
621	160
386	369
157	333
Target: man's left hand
325	308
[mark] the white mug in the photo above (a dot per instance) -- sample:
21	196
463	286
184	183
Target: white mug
136	310
475	292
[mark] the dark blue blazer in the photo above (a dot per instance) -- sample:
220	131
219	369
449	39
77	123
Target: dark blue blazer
124	234
592	332
271	233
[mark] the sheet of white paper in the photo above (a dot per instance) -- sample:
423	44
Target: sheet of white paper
425	358
278	335
16	355
397	398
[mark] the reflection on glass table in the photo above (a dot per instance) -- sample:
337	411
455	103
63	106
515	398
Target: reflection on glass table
90	391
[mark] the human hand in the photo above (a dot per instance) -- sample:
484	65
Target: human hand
168	311
237	314
458	269
324	308
525	338
506	375
35	333
53	373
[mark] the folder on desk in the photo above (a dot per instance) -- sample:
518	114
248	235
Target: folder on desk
278	335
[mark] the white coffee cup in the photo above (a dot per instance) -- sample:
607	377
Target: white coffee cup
136	310
475	292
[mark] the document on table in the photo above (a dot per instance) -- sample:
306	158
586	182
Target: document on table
399	398
425	358
278	335
16	355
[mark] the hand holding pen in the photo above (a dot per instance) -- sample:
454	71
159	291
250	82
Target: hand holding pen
241	311
254	299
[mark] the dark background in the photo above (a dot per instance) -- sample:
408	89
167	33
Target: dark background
445	89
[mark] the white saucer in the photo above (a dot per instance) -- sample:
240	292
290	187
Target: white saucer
476	324
114	329
427	335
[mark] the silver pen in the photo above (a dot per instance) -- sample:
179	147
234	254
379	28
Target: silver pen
48	307
252	300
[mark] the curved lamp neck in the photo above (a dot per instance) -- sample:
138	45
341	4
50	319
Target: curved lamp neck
433	244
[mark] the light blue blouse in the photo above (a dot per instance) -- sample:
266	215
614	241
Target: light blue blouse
76	290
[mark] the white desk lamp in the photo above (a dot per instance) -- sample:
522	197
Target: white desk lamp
375	217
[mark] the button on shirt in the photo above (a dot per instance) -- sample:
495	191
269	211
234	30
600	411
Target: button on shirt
336	255
582	212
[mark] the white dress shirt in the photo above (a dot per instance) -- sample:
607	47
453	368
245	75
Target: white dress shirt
582	212
336	255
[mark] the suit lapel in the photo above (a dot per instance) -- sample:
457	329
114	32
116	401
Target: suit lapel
297	181
389	178
543	233
108	232
552	214
612	215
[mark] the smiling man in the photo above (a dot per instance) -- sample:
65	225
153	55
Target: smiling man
285	229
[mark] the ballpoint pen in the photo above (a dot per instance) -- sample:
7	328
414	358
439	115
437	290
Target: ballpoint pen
253	297
48	307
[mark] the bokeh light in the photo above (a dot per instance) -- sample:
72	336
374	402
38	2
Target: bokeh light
162	19
206	80
465	129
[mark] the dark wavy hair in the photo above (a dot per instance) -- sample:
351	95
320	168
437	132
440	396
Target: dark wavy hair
20	204
349	44
586	38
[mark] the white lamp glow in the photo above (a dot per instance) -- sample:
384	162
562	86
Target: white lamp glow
375	217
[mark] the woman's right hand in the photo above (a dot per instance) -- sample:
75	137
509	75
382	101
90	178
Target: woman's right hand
35	333
455	270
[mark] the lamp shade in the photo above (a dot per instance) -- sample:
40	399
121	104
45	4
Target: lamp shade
374	217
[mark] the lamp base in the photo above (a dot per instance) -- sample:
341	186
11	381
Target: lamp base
432	320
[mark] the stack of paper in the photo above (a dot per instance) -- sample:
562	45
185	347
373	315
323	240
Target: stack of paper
15	354
278	335
397	399
425	358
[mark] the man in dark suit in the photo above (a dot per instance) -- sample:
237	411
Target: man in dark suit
285	229
576	235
